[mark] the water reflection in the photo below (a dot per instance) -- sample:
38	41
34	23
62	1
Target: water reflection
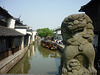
47	53
38	60
21	67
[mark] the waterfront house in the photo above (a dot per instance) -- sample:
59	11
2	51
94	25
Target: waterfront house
92	9
6	19
30	33
20	27
26	30
22	37
15	38
10	39
57	34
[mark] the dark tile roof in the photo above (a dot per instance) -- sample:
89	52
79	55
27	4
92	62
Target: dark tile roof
5	12
4	31
90	5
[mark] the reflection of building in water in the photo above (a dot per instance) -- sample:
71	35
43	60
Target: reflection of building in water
33	50
44	62
21	67
55	55
48	53
29	53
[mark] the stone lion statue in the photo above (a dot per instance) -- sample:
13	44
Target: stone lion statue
79	54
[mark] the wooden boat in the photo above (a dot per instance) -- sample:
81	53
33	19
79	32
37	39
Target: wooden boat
49	44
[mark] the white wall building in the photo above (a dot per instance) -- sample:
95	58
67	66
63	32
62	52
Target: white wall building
34	35
11	23
23	31
58	34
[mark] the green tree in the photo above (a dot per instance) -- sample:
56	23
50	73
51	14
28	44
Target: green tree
44	32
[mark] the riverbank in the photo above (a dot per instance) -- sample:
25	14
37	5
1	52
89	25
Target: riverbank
7	63
60	47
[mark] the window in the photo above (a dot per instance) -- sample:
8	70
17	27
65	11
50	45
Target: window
2	45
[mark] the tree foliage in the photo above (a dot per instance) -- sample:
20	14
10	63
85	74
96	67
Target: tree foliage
44	32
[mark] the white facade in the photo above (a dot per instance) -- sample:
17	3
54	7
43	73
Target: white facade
29	33
11	23
58	35
34	34
23	31
59	32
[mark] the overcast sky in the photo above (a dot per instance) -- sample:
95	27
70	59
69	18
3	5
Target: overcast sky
42	13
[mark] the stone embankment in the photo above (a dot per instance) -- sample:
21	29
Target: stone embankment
7	63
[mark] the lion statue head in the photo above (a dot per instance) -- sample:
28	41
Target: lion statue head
77	23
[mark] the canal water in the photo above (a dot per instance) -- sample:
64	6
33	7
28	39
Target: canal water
38	60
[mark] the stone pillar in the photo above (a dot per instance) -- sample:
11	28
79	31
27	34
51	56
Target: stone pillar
78	55
22	43
29	40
